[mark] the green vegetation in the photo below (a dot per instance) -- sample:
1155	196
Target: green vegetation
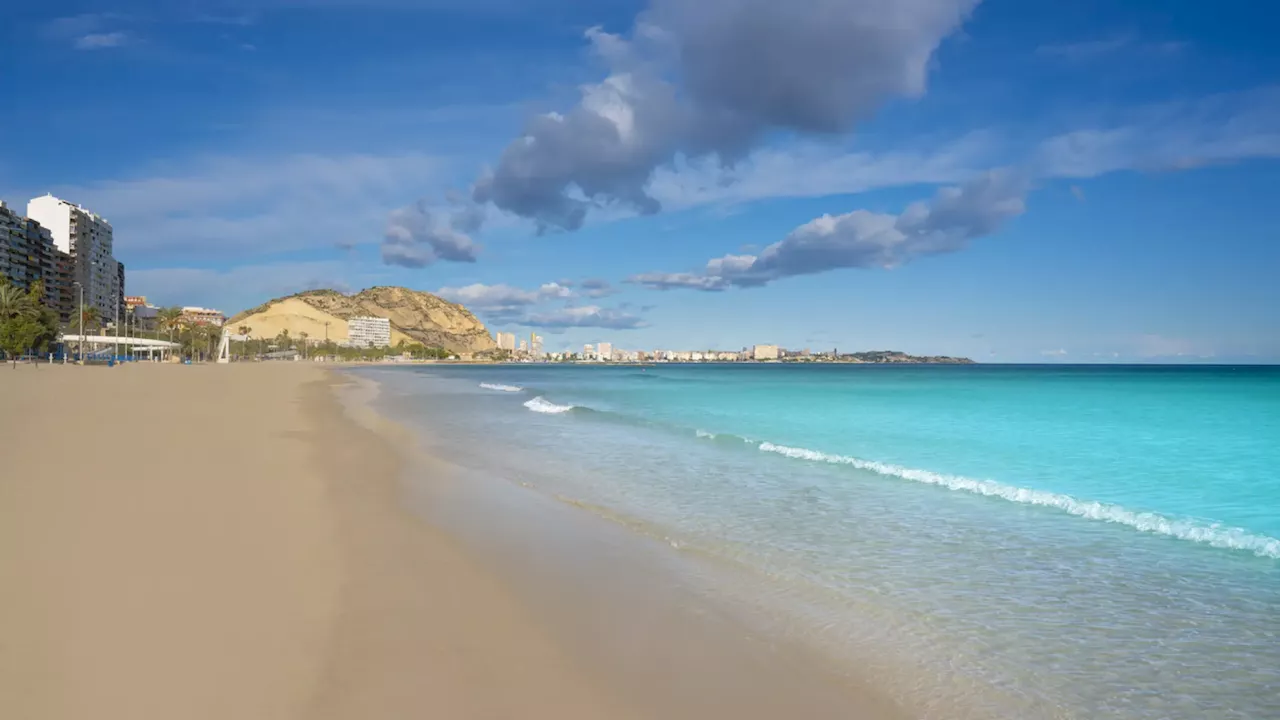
26	323
254	348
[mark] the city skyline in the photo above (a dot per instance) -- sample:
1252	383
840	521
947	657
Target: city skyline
1058	183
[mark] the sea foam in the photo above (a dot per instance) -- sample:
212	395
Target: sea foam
501	388
540	405
1214	534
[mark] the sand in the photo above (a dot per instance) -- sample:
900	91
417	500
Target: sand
219	542
229	542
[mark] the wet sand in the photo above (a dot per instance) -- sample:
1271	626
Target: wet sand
226	541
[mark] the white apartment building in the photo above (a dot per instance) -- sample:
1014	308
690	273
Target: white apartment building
369	332
507	341
588	352
87	237
765	352
535	344
605	351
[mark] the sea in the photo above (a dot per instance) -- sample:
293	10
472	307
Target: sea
984	540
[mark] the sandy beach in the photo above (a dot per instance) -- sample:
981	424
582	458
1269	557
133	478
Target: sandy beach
228	542
217	542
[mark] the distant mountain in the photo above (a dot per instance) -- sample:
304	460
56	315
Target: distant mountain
897	356
415	317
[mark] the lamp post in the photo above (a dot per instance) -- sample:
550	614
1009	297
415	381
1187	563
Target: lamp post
80	312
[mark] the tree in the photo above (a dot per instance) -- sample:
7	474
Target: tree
19	334
302	342
244	331
169	318
13	301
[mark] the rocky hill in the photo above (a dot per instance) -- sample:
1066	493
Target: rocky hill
415	317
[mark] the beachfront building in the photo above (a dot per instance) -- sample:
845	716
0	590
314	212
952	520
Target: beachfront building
604	351
28	255
369	332
535	344
507	341
203	316
764	352
88	239
588	352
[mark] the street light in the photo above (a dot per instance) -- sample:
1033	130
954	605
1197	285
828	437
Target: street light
80	312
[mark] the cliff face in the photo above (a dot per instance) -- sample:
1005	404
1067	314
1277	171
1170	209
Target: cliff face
415	317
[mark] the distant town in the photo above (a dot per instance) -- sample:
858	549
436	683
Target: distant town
530	350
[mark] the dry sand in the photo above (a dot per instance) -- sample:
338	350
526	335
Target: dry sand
188	542
220	542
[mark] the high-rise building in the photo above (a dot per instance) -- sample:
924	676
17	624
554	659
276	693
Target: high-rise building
369	332
524	346
588	352
88	239
535	344
507	341
605	351
28	255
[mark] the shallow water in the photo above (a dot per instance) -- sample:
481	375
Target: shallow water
1023	541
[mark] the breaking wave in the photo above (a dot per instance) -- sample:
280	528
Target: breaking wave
1213	534
541	405
501	388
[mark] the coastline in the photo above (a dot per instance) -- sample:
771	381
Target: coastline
231	541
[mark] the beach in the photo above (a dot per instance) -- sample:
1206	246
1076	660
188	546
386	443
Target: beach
228	541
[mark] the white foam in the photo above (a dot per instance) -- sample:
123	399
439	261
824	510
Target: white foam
1214	534
501	388
542	406
704	434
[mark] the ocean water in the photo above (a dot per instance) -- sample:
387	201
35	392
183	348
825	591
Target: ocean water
983	541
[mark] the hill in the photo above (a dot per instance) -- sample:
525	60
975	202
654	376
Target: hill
415	317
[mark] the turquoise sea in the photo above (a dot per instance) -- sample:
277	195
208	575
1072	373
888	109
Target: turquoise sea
1001	541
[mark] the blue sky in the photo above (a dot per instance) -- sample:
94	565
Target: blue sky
1012	181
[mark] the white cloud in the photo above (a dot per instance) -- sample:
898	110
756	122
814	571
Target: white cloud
862	239
1220	128
584	316
99	41
235	207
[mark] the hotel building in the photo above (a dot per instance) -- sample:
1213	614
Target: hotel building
203	316
369	332
507	341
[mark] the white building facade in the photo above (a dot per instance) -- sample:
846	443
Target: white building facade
507	341
369	332
604	351
87	237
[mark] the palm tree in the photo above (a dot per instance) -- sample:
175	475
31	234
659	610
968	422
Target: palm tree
169	318
243	331
14	302
302	340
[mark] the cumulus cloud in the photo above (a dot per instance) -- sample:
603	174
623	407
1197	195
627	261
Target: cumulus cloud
863	239
712	79
416	237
